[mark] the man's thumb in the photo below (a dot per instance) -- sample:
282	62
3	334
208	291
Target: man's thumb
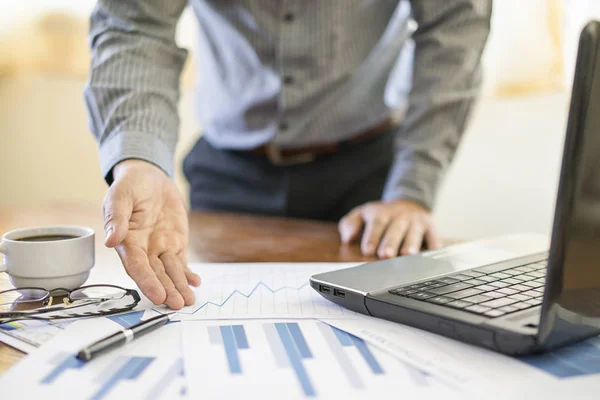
117	212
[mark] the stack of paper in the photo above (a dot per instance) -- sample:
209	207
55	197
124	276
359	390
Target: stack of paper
260	331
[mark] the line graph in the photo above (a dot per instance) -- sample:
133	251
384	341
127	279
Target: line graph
254	289
271	290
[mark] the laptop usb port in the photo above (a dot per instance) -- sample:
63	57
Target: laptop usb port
339	293
325	289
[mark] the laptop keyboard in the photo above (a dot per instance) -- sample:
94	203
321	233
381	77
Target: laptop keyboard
491	291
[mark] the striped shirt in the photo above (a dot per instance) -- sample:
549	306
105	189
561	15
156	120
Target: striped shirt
292	72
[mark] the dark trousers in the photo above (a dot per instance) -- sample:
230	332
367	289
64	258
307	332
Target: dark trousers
324	189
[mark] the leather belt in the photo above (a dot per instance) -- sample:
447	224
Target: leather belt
292	156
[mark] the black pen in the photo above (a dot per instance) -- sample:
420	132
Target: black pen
122	337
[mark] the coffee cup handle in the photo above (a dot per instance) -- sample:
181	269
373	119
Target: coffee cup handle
2	250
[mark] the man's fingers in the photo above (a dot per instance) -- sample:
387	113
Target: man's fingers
174	299
176	272
433	239
117	211
136	264
375	226
390	245
351	225
192	278
413	240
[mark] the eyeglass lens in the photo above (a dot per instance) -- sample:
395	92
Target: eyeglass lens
98	292
22	299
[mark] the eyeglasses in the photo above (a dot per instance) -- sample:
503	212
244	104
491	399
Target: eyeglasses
89	301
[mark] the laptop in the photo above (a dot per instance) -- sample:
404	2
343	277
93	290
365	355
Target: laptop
510	294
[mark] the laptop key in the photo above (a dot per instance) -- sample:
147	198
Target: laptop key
520	287
439	300
531	293
511	281
458	304
415	286
495	295
511	272
477	309
507	291
519	297
422	295
521	306
486	288
500	275
486	278
533	284
499	284
464	293
494	313
497	303
427	283
474	282
403	291
508	309
455	287
480	298
436	285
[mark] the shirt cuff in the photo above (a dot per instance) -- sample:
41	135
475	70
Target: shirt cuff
134	145
415	182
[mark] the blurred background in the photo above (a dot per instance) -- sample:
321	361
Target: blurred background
503	179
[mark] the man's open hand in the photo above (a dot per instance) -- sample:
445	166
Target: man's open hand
400	226
146	221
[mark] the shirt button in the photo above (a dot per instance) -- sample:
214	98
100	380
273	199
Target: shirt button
283	126
288	80
289	17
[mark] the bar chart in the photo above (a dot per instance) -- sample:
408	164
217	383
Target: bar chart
31	334
303	359
141	369
268	290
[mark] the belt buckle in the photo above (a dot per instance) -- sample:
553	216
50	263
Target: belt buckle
276	157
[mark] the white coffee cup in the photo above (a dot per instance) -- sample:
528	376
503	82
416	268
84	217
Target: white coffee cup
48	257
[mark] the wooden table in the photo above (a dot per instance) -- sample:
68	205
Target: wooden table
214	237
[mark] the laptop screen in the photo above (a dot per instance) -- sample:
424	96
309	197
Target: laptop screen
572	298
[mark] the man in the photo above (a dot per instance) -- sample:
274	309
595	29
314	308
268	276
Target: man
295	100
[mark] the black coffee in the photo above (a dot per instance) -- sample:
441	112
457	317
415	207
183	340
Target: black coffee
46	238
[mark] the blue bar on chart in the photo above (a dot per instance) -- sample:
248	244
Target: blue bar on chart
232	338
240	336
336	344
63	362
127	320
576	360
296	349
348	340
131	370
